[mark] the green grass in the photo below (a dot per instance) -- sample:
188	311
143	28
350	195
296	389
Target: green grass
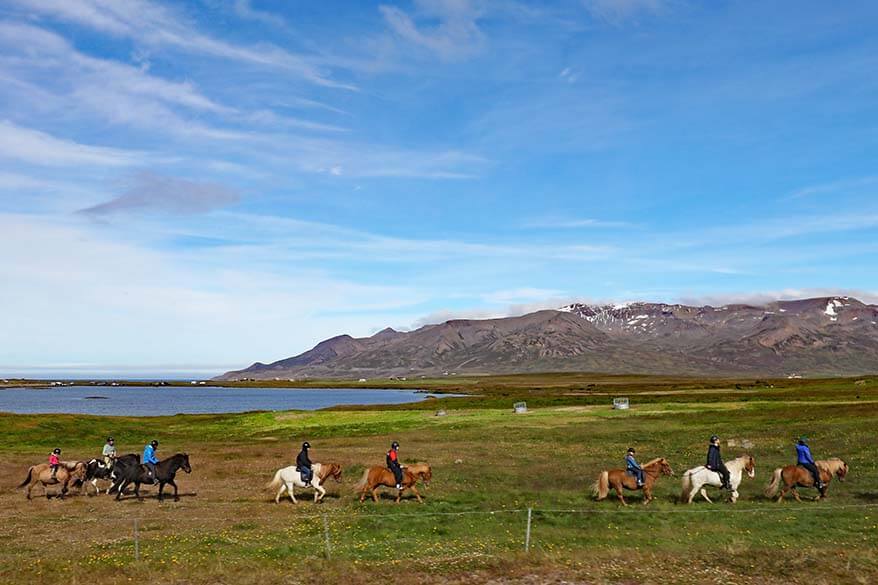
485	459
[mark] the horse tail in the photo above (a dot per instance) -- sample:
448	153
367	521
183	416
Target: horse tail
361	485
601	487
771	488
686	487
273	484
27	481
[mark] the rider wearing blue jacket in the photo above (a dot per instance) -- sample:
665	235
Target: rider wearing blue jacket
633	468
149	458
804	458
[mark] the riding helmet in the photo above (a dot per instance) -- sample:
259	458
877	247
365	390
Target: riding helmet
631	450
394	445
306	445
110	439
154	443
714	438
57	451
803	440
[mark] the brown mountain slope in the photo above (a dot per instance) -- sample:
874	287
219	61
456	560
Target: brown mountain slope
823	336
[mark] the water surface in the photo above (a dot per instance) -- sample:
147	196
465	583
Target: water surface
169	400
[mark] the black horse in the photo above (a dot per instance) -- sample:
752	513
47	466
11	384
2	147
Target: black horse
128	470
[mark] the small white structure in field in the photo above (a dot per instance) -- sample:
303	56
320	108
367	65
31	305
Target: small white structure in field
441	413
519	407
620	403
362	379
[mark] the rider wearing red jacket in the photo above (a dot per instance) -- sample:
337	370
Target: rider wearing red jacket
393	464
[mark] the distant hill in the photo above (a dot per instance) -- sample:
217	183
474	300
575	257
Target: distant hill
820	336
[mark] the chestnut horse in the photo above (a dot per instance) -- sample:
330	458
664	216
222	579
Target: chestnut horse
620	478
42	473
374	477
793	476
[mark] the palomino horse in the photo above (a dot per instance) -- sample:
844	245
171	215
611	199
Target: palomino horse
793	476
419	469
42	473
620	478
288	478
696	479
127	471
374	477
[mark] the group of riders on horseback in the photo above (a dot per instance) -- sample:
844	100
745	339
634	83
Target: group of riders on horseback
308	474
121	471
304	465
715	463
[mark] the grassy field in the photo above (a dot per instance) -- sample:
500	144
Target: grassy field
489	467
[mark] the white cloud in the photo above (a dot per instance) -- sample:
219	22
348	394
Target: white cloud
156	26
73	294
39	148
834	187
760	298
244	9
456	35
576	223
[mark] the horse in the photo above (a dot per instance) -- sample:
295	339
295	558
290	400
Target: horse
96	469
419	469
794	476
289	478
126	472
42	473
374	477
695	479
620	478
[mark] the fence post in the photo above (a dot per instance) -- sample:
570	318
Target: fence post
527	533
326	534
136	540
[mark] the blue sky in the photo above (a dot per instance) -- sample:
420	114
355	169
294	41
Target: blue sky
195	186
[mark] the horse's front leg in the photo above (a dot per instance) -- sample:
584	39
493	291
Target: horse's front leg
120	487
795	493
418	495
734	497
320	491
161	491
647	495
137	490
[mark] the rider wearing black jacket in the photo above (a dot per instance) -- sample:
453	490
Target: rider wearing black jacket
303	463
715	462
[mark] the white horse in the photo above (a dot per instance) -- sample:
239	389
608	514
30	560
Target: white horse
696	479
288	478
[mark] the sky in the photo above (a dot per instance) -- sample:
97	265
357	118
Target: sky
195	186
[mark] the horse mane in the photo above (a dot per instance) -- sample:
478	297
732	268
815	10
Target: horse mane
653	462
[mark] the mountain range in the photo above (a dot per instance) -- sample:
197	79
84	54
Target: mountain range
810	337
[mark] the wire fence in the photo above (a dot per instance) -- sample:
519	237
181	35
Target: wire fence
367	534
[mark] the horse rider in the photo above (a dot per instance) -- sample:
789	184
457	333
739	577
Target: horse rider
109	453
632	467
150	459
804	458
303	464
393	463
54	462
715	462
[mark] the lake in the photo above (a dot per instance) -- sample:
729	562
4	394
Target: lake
169	400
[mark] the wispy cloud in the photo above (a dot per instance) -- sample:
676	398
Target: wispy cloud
456	35
576	223
150	192
157	26
40	148
244	9
834	187
618	11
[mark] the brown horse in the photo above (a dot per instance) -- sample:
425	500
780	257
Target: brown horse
42	473
376	476
793	476
620	478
